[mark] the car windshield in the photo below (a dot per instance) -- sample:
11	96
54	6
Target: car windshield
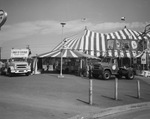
106	60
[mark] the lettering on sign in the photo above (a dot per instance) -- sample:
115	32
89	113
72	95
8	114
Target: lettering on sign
19	53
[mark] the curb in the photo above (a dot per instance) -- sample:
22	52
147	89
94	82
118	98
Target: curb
111	110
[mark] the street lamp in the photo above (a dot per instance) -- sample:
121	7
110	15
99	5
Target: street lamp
61	76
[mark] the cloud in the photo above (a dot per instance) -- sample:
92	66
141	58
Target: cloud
25	29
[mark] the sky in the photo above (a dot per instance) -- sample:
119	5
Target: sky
37	22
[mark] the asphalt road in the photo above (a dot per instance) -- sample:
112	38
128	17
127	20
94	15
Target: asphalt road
132	114
46	96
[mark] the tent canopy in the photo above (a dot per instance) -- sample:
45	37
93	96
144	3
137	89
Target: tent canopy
122	43
66	53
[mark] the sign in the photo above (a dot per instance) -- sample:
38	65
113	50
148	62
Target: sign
134	44
143	59
18	53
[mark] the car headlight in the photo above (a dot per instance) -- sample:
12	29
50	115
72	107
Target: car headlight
114	67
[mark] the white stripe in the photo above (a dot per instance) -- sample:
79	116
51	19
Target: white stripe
56	54
82	42
97	44
87	41
103	43
77	44
132	34
71	43
49	53
129	35
73	54
112	35
117	34
122	34
137	34
65	53
107	36
92	41
92	53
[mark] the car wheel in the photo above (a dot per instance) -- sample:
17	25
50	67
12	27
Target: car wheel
106	75
9	73
27	74
130	75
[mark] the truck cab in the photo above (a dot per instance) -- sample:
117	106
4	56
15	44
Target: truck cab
110	66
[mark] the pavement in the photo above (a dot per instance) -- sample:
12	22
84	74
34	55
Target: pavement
117	109
46	96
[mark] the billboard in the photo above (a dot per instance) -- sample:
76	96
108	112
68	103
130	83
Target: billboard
18	53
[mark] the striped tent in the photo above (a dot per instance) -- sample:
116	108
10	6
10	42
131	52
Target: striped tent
122	43
66	53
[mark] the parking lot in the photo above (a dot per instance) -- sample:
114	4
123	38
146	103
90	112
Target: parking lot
45	96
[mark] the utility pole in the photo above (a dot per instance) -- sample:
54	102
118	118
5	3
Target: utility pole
0	53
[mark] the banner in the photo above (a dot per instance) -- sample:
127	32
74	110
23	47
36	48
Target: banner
143	59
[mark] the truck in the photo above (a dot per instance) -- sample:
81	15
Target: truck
111	66
17	64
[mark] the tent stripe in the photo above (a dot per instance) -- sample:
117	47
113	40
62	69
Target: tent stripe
133	35
87	42
70	43
64	53
92	44
122	34
129	35
107	36
57	54
103	43
137	34
118	36
95	44
73	54
81	43
125	34
112	35
50	53
76	44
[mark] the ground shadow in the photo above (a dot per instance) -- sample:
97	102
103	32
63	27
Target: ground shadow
110	98
135	97
85	102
